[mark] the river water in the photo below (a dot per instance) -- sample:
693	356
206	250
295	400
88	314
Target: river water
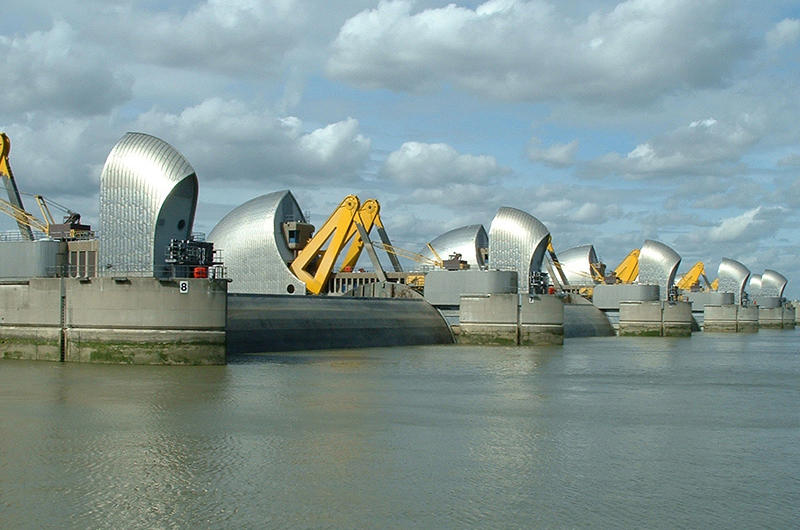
602	432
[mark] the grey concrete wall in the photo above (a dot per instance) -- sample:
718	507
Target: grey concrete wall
541	320
655	318
769	302
611	296
640	318
269	323
146	303
444	288
677	319
699	299
789	316
721	318
747	319
30	320
34	302
140	320
770	317
503	318
35	343
26	259
145	346
489	319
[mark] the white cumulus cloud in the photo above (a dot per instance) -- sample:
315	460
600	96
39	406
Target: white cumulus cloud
53	71
752	224
785	33
532	51
231	139
555	155
431	165
706	146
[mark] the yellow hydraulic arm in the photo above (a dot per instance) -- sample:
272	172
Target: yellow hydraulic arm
23	218
556	263
368	215
628	269
438	259
16	210
692	278
313	265
44	209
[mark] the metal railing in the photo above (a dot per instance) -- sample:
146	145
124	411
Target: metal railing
169	271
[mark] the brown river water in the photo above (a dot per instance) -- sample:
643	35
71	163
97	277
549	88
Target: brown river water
602	432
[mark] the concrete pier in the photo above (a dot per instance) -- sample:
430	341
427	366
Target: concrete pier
489	319
609	297
541	320
504	318
789	316
114	320
770	317
730	318
677	319
722	318
655	319
747	319
640	319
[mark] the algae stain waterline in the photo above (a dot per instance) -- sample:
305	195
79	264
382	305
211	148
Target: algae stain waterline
671	432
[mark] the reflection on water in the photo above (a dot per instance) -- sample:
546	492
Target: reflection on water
602	432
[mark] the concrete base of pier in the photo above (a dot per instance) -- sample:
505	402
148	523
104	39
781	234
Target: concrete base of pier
789	316
655	319
114	320
730	318
504	318
770	317
780	317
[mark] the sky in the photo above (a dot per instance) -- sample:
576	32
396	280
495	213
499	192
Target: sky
611	122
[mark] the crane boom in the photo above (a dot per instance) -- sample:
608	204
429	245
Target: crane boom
44	209
313	265
628	269
692	277
419	258
23	218
14	200
368	215
556	263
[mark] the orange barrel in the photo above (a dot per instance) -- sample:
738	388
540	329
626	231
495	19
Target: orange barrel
201	272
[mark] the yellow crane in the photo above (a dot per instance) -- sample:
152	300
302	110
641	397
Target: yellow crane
628	269
349	224
25	220
414	256
27	223
556	263
13	206
692	278
313	264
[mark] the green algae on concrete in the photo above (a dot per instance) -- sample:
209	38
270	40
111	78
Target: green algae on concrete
30	346
639	332
196	352
487	338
